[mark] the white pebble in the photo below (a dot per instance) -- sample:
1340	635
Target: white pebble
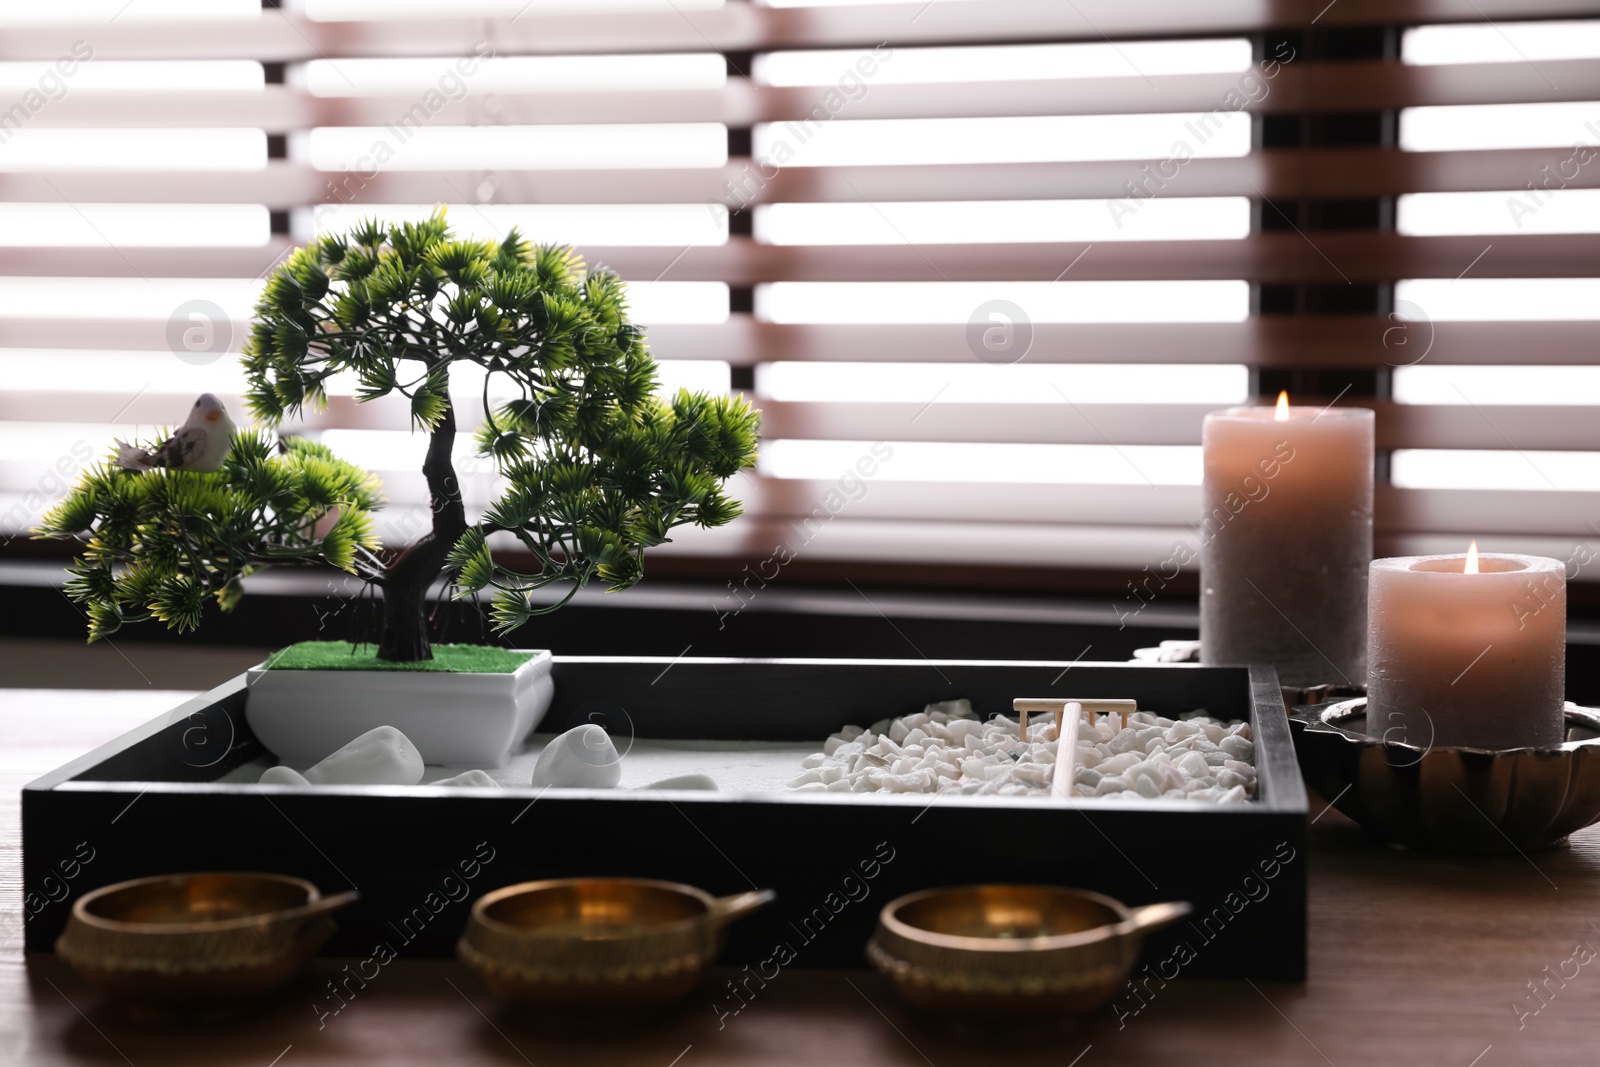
1125	741
470	780
1228	779
583	757
283	776
685	781
381	756
1237	747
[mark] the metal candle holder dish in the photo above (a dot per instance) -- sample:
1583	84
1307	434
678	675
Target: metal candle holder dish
197	940
602	943
1011	951
1450	799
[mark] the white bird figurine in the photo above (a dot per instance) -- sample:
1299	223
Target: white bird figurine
201	443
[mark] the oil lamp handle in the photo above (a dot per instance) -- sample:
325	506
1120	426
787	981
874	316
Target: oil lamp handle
726	909
1154	916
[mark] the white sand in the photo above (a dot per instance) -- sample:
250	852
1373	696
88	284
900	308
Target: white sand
736	766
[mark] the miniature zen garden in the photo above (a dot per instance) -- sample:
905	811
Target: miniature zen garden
596	469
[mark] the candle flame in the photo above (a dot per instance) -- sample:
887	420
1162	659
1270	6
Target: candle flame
1282	413
1472	559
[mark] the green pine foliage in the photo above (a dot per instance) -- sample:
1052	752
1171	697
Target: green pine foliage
597	467
159	544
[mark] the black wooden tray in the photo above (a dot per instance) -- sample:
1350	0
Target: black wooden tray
149	803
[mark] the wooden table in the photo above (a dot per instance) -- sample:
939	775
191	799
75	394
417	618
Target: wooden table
1415	960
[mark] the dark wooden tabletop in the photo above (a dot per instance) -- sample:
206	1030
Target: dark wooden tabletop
1414	960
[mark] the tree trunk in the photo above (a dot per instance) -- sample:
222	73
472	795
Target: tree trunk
405	589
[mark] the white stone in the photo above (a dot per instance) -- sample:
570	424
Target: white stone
581	758
469	780
283	776
1237	747
686	781
1120	762
381	756
1228	779
1125	741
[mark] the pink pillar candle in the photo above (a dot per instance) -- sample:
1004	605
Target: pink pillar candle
1286	539
1467	659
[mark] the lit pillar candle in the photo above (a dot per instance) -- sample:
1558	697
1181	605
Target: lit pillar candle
1286	540
1468	650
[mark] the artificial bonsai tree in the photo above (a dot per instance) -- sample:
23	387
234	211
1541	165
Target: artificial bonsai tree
597	467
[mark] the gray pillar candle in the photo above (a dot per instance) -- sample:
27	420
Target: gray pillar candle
1468	650
1286	540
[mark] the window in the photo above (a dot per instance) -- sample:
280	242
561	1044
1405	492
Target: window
1022	253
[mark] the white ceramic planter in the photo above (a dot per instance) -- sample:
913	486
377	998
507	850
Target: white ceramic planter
455	719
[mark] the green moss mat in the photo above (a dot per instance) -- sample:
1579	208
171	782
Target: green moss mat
342	656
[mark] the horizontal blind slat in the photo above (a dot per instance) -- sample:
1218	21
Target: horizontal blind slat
1443	426
283	37
1345	86
1274	173
793	501
1315	257
1059	421
1324	341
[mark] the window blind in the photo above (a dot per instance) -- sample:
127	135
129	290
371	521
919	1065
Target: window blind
984	264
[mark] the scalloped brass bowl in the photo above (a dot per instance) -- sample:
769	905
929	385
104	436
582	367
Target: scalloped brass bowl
1449	799
1012	950
196	940
598	942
